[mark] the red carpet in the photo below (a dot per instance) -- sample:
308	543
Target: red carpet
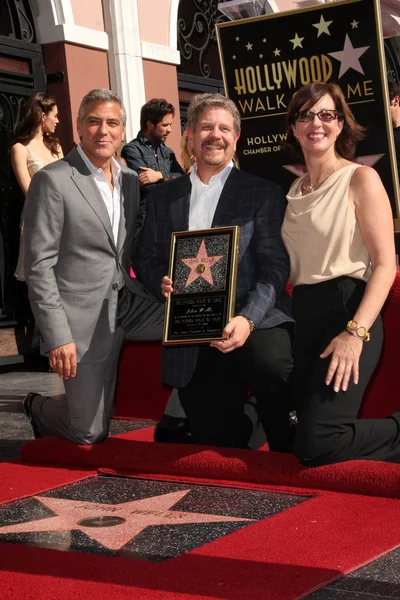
353	519
18	480
381	397
125	455
283	557
140	394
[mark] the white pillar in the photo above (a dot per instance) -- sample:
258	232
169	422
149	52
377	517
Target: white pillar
125	58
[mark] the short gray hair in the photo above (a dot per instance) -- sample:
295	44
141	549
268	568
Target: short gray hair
101	95
202	101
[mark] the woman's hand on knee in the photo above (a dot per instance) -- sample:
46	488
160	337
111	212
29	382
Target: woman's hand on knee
346	350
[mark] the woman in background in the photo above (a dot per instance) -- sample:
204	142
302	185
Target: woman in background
187	157
33	147
338	231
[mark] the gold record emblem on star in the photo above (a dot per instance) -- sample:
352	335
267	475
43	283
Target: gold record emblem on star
200	265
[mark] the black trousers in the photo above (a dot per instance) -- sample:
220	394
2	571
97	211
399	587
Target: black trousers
214	400
328	430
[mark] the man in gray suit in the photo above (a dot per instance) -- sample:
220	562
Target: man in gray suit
257	345
81	222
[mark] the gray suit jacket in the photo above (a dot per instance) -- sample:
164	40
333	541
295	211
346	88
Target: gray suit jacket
258	207
72	265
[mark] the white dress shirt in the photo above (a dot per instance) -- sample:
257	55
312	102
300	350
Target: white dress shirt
204	197
112	199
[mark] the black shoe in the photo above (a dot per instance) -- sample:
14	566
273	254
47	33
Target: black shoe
27	406
172	430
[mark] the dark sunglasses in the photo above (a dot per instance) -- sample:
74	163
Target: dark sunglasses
325	115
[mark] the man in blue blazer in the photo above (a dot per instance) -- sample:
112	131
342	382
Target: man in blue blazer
212	379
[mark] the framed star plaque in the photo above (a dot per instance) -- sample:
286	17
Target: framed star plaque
203	268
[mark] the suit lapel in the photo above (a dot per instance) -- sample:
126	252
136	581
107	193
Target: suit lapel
180	205
81	177
227	204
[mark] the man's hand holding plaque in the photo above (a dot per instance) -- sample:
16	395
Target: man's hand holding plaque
235	334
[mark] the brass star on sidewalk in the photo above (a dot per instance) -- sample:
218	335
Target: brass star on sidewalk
200	265
114	525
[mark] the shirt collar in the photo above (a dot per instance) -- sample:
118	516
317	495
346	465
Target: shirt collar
220	177
115	166
147	142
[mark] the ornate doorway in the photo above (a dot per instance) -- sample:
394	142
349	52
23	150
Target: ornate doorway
200	68
21	74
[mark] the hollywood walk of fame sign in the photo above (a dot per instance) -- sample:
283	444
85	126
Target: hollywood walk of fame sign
266	59
203	268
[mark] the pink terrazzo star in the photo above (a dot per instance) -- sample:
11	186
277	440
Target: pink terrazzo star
200	265
114	525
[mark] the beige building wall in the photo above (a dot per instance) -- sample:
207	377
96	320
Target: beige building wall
88	13
161	82
153	29
117	44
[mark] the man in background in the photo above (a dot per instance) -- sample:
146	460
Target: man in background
147	154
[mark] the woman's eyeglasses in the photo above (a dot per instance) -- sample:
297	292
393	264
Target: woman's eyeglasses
326	115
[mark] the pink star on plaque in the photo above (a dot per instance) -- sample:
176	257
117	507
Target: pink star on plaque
114	525
200	265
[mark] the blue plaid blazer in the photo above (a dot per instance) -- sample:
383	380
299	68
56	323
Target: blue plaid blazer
257	206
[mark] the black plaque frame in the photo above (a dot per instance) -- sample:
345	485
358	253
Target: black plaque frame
200	313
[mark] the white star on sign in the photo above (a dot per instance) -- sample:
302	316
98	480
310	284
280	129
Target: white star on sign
264	40
261	55
322	26
114	525
354	24
296	41
234	57
277	52
249	46
348	57
368	161
237	38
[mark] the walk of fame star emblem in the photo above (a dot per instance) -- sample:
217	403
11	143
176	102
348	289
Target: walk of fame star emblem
200	265
114	525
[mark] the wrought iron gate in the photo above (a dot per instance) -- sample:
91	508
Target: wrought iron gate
21	74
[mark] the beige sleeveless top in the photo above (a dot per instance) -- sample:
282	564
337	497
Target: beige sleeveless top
35	163
321	233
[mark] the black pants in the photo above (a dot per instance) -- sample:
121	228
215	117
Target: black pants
328	430
215	397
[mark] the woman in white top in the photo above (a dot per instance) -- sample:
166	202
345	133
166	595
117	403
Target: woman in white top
34	146
338	231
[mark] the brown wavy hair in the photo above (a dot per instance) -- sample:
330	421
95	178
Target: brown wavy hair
31	119
304	99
